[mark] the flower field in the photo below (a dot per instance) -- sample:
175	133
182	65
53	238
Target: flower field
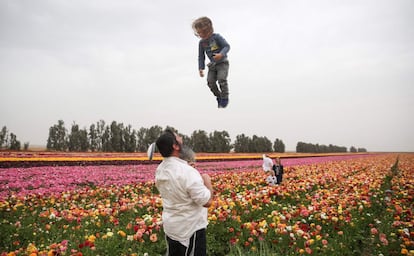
334	205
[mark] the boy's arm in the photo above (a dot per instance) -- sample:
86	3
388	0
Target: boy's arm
225	47
201	58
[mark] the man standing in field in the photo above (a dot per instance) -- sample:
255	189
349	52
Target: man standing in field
267	165
186	195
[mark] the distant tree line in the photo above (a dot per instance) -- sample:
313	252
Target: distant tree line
117	137
355	150
303	147
9	140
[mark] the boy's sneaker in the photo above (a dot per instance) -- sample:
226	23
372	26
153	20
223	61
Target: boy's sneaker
219	102
223	103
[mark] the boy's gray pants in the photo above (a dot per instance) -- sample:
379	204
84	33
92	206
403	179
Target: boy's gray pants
218	72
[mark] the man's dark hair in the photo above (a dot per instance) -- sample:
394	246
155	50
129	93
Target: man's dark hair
165	143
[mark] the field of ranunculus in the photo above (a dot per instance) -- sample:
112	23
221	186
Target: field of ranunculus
337	205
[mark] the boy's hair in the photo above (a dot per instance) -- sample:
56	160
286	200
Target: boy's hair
165	143
202	23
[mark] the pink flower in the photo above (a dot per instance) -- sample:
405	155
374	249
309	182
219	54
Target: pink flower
138	235
304	213
383	239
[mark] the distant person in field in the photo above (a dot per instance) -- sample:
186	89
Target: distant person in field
186	195
271	180
278	170
268	169
267	164
216	48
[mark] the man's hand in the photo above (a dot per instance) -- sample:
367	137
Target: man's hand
201	73
207	183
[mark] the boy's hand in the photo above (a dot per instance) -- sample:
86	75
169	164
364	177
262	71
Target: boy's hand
201	73
217	56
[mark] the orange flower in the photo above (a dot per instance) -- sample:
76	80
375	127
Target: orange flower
121	233
153	238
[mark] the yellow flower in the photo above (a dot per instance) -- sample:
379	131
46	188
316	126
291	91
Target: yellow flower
213	217
92	238
340	209
311	241
31	248
263	224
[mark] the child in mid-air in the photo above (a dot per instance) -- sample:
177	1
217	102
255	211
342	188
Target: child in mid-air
216	48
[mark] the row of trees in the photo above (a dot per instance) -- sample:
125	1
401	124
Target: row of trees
9	140
116	137
303	147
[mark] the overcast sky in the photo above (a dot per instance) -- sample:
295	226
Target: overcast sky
321	71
